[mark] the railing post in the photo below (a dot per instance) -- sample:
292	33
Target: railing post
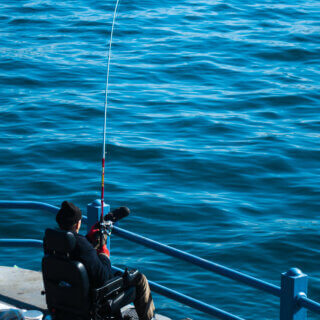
293	282
93	215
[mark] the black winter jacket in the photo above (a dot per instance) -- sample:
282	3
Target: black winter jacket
97	266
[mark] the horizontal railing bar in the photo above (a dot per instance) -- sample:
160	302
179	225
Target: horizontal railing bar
205	264
169	293
21	243
32	205
193	303
28	205
307	303
189	301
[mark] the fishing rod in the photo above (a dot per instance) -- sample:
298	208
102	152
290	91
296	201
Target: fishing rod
105	127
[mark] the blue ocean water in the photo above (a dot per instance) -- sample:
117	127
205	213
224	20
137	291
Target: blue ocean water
213	135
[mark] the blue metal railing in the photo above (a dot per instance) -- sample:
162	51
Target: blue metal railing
292	293
28	205
169	293
309	304
205	264
18	243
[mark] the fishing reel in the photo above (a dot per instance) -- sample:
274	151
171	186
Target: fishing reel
106	226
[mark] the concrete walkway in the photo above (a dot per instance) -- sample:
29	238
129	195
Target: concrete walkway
22	288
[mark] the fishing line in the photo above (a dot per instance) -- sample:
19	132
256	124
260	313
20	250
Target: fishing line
105	112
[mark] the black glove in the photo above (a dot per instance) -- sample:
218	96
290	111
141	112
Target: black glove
130	278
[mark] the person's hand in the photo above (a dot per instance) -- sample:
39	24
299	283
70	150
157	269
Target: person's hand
103	250
130	277
94	237
118	274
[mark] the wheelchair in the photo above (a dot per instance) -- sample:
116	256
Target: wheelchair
69	295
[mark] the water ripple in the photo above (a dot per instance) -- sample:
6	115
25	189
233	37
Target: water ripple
213	132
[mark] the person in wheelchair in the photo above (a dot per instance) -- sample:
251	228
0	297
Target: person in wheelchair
96	259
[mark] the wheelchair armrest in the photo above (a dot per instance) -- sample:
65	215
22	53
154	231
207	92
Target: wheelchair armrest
112	286
124	298
112	296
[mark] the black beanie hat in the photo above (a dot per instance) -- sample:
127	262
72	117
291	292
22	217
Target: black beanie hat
68	215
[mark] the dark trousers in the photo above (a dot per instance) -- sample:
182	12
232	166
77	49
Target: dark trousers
143	302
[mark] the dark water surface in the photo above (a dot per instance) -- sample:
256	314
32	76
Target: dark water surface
213	134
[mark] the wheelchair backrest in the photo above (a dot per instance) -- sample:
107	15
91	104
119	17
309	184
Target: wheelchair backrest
66	281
